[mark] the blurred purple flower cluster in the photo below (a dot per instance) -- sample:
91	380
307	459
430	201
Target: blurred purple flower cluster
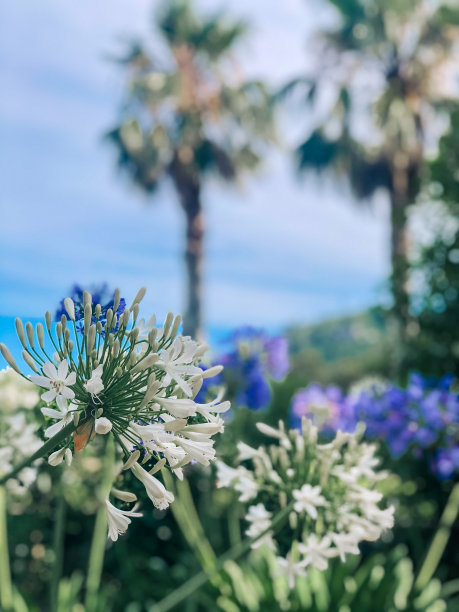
252	360
100	295
327	407
422	419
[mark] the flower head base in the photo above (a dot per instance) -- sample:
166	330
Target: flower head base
137	385
329	489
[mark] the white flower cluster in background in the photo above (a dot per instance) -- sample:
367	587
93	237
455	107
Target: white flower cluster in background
330	490
128	379
17	435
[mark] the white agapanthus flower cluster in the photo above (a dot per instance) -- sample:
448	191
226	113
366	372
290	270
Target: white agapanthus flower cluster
329	491
17	435
128	379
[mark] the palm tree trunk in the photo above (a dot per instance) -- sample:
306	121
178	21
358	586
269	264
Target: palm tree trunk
189	189
399	259
192	322
404	189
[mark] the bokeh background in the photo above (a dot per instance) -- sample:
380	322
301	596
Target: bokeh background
286	175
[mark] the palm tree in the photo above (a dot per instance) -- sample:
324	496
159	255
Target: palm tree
383	71
188	114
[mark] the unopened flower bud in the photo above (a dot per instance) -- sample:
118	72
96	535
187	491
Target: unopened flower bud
70	345
97	311
175	326
8	357
70	308
132	459
139	297
158	466
167	325
103	425
87	317
76	418
59	330
124	495
29	361
202	348
48	320
125	317
108	317
146	363
196	385
20	331
135	311
91	337
99	327
213	371
67	334
293	520
87	299
41	335
152	338
29	331
64	321
116	300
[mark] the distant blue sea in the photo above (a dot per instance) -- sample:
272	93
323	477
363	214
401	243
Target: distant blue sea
216	337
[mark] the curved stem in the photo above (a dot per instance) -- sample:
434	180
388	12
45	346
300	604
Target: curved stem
440	540
6	589
198	580
47	447
99	536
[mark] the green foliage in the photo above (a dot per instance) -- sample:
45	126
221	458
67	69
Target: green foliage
434	347
342	350
385	580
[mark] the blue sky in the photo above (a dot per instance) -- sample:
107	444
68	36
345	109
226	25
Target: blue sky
278	250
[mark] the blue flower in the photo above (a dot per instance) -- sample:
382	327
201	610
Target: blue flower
422	419
100	295
252	360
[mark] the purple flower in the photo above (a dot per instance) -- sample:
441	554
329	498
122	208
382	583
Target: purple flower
252	360
421	419
326	406
100	295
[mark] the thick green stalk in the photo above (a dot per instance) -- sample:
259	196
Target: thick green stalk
440	540
198	580
47	447
187	518
6	589
99	536
58	547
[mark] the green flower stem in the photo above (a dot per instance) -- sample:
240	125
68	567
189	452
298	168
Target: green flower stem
187	518
47	447
99	536
58	547
440	540
198	580
6	589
